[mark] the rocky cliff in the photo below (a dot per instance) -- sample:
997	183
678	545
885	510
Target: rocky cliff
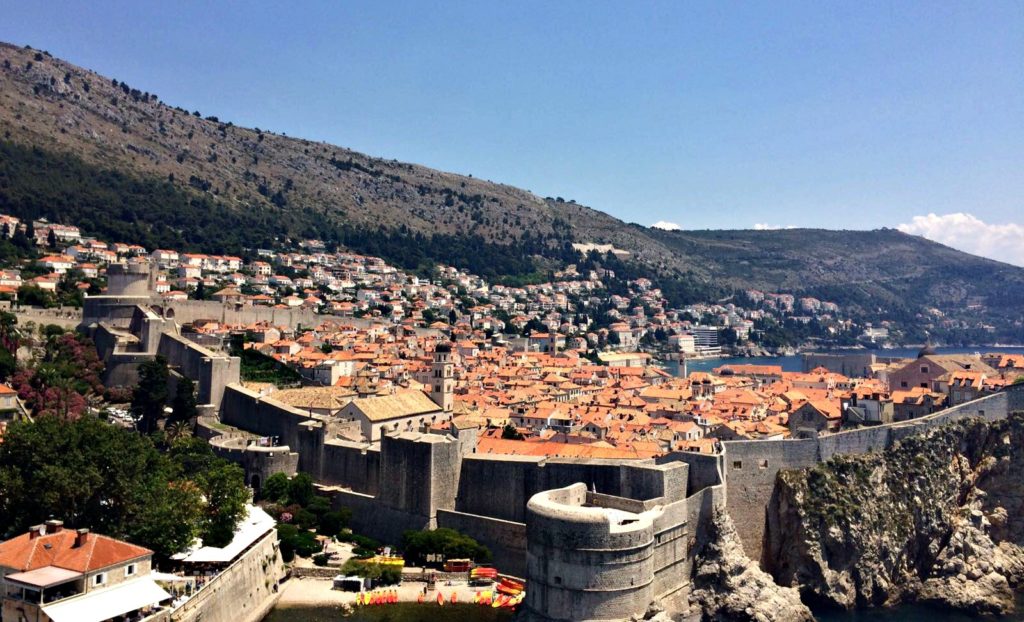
729	587
936	518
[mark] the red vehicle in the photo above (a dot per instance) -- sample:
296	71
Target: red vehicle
458	565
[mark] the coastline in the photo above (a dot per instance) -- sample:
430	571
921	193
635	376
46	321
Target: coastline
317	592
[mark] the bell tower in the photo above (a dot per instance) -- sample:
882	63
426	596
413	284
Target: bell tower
442	378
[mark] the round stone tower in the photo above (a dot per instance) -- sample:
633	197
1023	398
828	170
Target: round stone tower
586	562
129	279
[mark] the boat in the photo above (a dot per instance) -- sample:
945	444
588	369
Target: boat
440	598
509	587
420	598
500	601
453	598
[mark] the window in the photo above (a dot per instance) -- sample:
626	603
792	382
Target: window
558	581
763	464
903	384
924	385
129	570
737	464
99	579
924	369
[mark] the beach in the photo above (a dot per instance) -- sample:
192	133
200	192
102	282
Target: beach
315	592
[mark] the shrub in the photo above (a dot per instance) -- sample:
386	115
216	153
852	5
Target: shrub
332	523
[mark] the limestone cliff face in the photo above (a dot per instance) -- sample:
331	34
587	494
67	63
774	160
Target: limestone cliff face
936	518
728	586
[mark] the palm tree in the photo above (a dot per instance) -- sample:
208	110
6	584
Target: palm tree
176	431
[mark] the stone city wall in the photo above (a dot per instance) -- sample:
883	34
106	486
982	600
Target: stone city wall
245	592
211	371
586	563
188	311
751	466
505	539
500	486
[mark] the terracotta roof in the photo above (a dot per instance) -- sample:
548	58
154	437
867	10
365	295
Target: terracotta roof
58	549
401	404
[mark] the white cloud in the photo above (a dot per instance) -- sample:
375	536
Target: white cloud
969	233
761	226
667	226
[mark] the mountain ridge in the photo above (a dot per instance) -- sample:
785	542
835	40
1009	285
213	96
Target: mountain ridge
304	187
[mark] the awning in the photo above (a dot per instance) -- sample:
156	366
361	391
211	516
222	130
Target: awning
105	603
45	577
254	526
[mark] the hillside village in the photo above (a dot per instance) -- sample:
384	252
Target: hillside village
563	368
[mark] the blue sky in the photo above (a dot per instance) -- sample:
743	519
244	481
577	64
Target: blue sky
705	114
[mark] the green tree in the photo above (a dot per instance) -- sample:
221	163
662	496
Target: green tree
200	293
51	239
300	489
511	433
223	487
150	395
276	488
183	406
416	545
92	474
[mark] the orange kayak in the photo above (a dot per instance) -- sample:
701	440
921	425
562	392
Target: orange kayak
440	599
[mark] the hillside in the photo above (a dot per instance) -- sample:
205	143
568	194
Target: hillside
84	148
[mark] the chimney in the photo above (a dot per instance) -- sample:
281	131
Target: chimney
35	531
54	526
81	536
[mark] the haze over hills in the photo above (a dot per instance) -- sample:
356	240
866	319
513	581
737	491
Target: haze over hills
88	149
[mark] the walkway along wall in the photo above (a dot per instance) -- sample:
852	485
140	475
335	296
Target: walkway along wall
245	592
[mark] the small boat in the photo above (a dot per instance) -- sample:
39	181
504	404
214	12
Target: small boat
440	598
509	591
500	601
359	598
420	598
453	598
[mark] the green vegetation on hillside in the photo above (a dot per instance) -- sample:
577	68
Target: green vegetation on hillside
117	206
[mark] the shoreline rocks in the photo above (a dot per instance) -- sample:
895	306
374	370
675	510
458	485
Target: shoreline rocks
728	586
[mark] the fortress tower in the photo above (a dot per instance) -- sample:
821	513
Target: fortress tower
586	562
